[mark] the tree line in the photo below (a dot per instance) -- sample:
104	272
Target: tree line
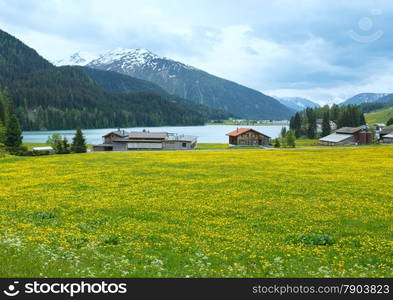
49	97
10	130
372	106
11	134
305	123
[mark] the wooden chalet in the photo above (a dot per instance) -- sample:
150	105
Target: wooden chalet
247	137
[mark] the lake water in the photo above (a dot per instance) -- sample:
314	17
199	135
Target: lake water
205	134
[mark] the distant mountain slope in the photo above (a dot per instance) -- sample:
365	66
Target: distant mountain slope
384	102
379	116
297	103
364	98
120	83
192	84
49	97
386	98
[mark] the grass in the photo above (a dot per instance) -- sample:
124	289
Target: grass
306	142
379	116
205	146
304	213
221	146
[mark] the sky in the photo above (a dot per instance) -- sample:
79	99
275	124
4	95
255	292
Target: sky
325	51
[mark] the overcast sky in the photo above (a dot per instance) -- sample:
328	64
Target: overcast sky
321	50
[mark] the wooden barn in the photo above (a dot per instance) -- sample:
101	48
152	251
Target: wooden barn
247	137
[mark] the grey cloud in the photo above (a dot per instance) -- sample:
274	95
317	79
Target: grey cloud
271	45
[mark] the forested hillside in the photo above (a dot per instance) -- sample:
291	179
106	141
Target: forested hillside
119	83
49	97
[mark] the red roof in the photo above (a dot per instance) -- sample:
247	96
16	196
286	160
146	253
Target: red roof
243	130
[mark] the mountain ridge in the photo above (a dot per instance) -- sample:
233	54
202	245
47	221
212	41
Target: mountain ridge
192	83
49	97
364	98
297	103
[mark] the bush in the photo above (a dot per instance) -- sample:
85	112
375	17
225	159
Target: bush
314	239
40	153
291	139
111	240
59	144
2	150
277	143
19	151
23	151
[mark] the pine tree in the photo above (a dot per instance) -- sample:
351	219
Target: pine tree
362	119
335	113
3	107
78	142
283	132
326	124
291	139
389	122
65	146
311	123
13	132
297	125
2	133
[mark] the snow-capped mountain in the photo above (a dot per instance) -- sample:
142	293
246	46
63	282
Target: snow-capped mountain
76	59
187	82
191	83
131	59
297	103
364	98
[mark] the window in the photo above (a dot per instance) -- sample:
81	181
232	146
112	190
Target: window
184	145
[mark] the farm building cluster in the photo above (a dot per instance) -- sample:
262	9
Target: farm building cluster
121	140
358	136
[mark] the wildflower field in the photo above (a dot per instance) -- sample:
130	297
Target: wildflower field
292	213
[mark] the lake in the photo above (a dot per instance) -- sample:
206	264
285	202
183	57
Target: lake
205	134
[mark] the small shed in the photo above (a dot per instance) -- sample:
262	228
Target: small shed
388	138
383	133
247	137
